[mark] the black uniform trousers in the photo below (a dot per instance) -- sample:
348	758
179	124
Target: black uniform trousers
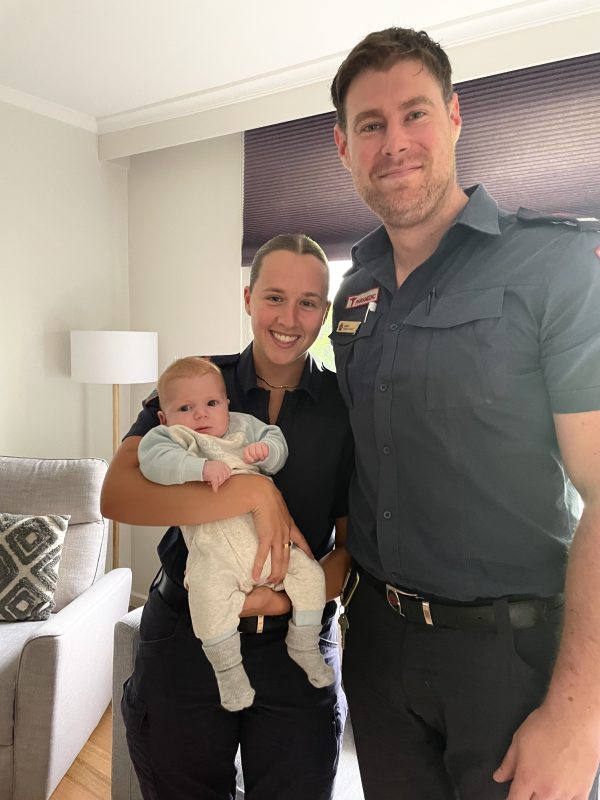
183	743
434	709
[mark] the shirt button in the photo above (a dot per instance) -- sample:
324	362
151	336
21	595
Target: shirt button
383	387
394	326
387	514
387	450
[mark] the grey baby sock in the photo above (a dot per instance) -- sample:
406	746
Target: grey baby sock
303	648
232	680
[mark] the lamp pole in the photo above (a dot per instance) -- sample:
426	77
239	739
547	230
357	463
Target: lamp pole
115	357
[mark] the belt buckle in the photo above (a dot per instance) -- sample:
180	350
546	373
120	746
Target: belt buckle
394	596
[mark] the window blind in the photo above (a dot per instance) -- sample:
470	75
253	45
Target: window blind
532	136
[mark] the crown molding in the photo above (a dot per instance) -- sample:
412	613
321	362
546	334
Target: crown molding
226	95
514	49
514	18
36	105
315	75
473	28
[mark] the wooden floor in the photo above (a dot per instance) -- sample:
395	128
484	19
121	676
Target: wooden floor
89	776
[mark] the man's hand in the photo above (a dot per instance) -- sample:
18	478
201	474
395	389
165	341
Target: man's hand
553	756
276	530
215	473
258	451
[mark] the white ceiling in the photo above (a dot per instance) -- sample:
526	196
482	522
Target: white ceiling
103	59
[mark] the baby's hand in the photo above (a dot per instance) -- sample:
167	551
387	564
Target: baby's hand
256	452
215	473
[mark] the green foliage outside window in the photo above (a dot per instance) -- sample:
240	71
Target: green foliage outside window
321	349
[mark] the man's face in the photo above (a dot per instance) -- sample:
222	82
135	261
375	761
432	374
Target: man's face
399	142
199	402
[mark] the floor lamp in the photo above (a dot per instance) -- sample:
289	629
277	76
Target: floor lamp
114	357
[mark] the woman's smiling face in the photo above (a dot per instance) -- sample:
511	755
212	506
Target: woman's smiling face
287	306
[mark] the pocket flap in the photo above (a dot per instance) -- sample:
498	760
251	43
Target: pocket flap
450	310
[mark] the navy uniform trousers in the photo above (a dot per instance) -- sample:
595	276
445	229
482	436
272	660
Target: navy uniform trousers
183	743
434	709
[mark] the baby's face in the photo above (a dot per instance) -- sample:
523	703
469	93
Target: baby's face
198	402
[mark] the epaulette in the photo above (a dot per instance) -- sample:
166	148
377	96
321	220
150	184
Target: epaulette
152	396
527	215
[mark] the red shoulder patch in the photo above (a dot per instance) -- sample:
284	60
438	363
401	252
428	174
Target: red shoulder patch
597	251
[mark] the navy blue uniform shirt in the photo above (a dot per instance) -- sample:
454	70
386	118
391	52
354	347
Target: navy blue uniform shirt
314	421
451	383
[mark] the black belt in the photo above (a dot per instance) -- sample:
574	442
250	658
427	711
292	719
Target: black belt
522	612
176	597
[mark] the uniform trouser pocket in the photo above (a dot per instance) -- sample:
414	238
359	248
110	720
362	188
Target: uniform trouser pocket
135	717
535	648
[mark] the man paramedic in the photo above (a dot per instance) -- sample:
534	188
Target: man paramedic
467	343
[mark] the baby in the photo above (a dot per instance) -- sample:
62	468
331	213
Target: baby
200	440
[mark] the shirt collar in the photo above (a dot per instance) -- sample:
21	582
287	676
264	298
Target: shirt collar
480	213
310	381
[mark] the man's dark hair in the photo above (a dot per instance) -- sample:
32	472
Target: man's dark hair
379	51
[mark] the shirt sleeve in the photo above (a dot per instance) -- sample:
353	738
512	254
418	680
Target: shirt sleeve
258	431
147	418
344	474
165	461
570	324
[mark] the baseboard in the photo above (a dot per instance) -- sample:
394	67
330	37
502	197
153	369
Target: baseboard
136	600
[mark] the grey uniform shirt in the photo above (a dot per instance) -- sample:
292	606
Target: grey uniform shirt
459	490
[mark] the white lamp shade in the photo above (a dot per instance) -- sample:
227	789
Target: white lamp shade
114	356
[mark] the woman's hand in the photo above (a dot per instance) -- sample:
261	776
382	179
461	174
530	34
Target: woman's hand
276	531
267	602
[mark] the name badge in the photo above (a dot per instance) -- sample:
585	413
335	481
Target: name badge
347	326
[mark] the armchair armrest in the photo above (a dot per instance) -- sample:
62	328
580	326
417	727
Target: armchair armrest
64	683
124	782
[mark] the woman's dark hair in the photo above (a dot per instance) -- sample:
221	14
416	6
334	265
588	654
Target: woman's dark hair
297	243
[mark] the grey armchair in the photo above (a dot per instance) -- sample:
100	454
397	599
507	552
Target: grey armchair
55	675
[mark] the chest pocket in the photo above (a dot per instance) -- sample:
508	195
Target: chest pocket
453	343
357	357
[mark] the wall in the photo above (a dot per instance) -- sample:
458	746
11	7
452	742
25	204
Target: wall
63	265
185	229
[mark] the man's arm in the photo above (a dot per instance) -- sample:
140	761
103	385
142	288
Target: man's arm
554	754
128	497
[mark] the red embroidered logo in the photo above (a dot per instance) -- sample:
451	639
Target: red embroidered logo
363	299
597	251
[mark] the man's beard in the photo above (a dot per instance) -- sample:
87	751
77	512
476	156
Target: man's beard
405	208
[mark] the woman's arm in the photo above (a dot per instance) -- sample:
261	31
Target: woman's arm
336	563
128	497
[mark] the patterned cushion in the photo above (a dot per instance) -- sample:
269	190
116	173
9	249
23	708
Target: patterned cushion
30	549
